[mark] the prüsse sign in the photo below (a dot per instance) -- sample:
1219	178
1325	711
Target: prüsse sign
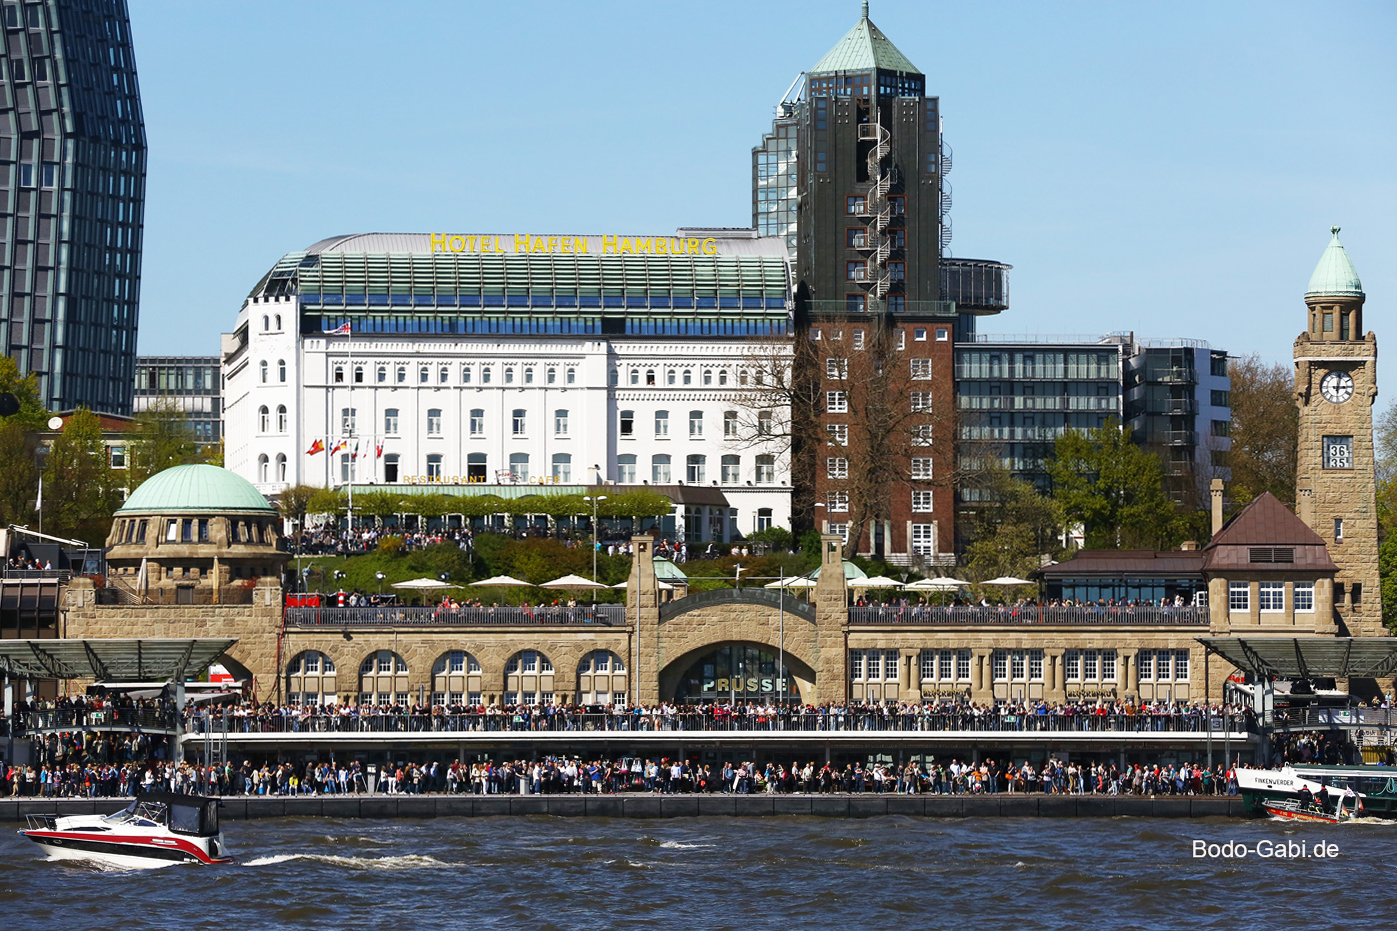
573	245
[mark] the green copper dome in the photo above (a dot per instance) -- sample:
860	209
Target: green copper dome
1335	275
190	489
863	49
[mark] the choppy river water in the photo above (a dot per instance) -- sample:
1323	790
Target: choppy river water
713	874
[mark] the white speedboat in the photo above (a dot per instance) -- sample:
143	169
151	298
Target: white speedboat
156	829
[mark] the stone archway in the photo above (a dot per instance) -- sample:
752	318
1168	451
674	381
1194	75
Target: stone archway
737	670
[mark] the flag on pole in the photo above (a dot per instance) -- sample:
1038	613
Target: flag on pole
39	503
316	447
341	330
338	446
355	454
379	454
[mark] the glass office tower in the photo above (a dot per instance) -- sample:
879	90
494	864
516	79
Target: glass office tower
72	193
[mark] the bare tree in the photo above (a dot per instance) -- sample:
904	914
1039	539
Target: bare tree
1265	429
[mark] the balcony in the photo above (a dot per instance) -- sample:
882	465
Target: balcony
608	615
1172	407
1030	615
1179	375
1172	438
976	285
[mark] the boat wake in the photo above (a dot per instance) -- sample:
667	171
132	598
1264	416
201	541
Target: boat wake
677	845
407	862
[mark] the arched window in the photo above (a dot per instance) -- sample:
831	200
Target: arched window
281	467
635	376
649	376
383	679
264	420
601	679
688	377
382	374
519	466
465	374
278	323
281	370
262	367
456	679
670	376
266	324
697	469
423	375
358	374
444	374
659	470
339	375
262	469
562	468
722	376
708	376
625	469
763	519
402	374
281	418
528	679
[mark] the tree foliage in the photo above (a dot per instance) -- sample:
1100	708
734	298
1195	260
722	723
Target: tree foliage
1012	528
1265	430
162	438
1113	488
33	415
19	472
80	491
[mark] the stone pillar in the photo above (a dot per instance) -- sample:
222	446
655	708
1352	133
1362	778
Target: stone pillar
910	676
1215	492
1326	619
831	601
1305	506
643	613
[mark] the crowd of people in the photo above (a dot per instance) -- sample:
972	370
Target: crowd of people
938	715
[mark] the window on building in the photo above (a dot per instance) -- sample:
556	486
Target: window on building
434	466
695	423
281	467
766	469
921	368
1221	398
855	303
921	401
765	423
662	423
381	374
262	367
627	422
921	502
696	467
347	464
836	467
477	421
625	469
858	339
263	475
348	419
519	466
264	419
281	418
390	468
731	470
836	402
924	539
1271	597
528	375
729	424
837	501
921	468
401	374
1239	596
281	370
635	376
465	374
854	204
562	468
475	467
855	271
1222	427
838	434
560	422
922	434
836	368
763	519
519	421
659	470
1304	595
688	377
486	374
434	421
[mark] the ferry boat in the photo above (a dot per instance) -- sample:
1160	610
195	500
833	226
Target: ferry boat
1367	790
156	829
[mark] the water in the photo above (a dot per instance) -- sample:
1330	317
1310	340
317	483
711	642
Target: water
720	873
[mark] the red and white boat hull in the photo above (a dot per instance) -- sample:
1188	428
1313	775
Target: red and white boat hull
128	852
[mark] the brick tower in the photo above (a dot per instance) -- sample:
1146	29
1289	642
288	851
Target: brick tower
1335	384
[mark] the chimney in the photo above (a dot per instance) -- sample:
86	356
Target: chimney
1188	546
1304	506
1215	491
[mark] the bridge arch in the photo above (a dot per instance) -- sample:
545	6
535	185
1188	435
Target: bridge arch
738	671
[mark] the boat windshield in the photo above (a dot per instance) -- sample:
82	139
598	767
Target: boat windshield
140	814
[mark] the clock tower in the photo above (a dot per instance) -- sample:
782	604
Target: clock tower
1335	488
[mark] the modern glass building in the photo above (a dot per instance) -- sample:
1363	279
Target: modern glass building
72	193
185	383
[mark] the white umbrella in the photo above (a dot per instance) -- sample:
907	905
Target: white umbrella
1008	580
798	581
572	582
936	585
424	585
501	581
877	581
661	584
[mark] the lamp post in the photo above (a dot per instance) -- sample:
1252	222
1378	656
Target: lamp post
380	576
595	499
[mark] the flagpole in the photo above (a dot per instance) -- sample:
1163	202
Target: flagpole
353	425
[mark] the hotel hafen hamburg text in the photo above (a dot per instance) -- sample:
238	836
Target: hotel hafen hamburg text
468	362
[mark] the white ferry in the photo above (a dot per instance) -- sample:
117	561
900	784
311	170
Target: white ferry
156	829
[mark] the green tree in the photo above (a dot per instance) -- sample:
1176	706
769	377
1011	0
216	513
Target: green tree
1012	528
33	415
1112	487
19	472
162	438
294	503
327	501
380	505
1265	430
1387	573
80	490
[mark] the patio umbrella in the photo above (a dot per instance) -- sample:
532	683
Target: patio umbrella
501	581
936	585
572	583
424	585
661	584
798	581
1008	580
877	581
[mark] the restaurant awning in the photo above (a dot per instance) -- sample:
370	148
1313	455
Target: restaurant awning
108	660
1308	657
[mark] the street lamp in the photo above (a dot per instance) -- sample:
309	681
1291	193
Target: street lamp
380	576
594	499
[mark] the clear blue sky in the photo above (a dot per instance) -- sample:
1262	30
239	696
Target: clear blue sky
1170	169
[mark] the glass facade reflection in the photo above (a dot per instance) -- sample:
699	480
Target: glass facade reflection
737	673
72	195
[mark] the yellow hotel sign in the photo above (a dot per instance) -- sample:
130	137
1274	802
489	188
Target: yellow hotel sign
573	245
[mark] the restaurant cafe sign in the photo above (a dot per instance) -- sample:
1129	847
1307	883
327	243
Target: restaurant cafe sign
530	243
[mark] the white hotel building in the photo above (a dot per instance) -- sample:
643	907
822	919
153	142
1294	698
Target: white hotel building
507	364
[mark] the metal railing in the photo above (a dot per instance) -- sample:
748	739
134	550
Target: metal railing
1322	718
92	719
1106	615
507	615
37	575
539	721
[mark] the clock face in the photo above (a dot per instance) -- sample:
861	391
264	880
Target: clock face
1336	387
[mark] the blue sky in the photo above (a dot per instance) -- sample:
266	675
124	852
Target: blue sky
1167	169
